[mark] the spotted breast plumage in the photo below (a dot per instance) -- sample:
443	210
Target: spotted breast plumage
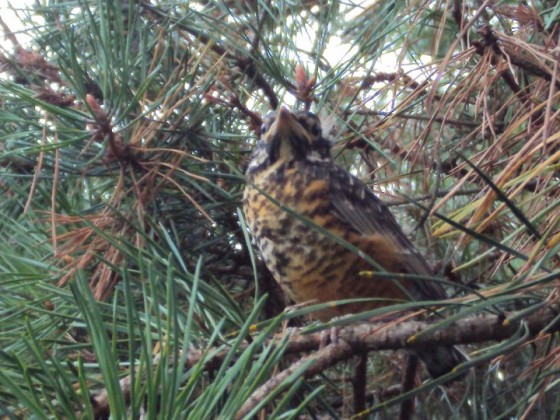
311	220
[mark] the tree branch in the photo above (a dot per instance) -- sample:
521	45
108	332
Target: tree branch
409	335
366	337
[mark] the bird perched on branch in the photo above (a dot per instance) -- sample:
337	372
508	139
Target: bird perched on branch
313	222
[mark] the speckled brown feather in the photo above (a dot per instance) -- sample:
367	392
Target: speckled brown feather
308	265
294	193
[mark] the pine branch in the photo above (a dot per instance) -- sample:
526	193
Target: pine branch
368	337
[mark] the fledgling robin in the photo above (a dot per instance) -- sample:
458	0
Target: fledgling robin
297	200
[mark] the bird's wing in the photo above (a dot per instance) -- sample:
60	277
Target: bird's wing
358	206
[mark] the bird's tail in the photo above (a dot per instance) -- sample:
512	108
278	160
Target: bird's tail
441	360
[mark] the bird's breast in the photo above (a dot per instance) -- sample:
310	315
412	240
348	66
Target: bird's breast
289	213
296	227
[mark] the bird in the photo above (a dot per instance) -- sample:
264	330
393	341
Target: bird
318	227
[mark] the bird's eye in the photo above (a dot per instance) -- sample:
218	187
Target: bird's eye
267	121
315	129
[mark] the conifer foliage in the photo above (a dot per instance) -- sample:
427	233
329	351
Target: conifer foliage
129	283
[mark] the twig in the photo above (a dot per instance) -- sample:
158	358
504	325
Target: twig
442	120
359	383
316	362
9	34
246	65
407	406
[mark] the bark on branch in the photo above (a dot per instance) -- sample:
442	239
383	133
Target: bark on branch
356	339
366	337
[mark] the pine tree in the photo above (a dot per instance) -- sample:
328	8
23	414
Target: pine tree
129	283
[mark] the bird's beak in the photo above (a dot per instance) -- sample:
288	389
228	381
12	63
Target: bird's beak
285	124
286	136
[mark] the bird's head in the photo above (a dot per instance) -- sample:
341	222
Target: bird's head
290	136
